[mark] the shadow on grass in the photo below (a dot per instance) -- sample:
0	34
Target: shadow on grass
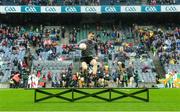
100	102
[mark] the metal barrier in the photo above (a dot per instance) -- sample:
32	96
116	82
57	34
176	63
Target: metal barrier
121	94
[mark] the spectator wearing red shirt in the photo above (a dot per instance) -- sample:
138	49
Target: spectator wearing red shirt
153	2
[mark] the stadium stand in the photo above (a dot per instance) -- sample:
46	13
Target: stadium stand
36	50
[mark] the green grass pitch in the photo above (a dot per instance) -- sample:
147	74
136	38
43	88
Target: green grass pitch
23	100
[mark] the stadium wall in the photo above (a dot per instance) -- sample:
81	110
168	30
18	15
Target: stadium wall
81	19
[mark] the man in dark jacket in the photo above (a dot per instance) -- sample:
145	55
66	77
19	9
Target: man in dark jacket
136	78
89	53
1	75
24	74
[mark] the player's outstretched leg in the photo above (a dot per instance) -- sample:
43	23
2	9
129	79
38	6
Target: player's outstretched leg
94	64
84	66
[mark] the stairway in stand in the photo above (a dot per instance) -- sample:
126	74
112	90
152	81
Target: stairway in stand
159	68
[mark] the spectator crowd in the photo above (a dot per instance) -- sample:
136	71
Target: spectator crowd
22	46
